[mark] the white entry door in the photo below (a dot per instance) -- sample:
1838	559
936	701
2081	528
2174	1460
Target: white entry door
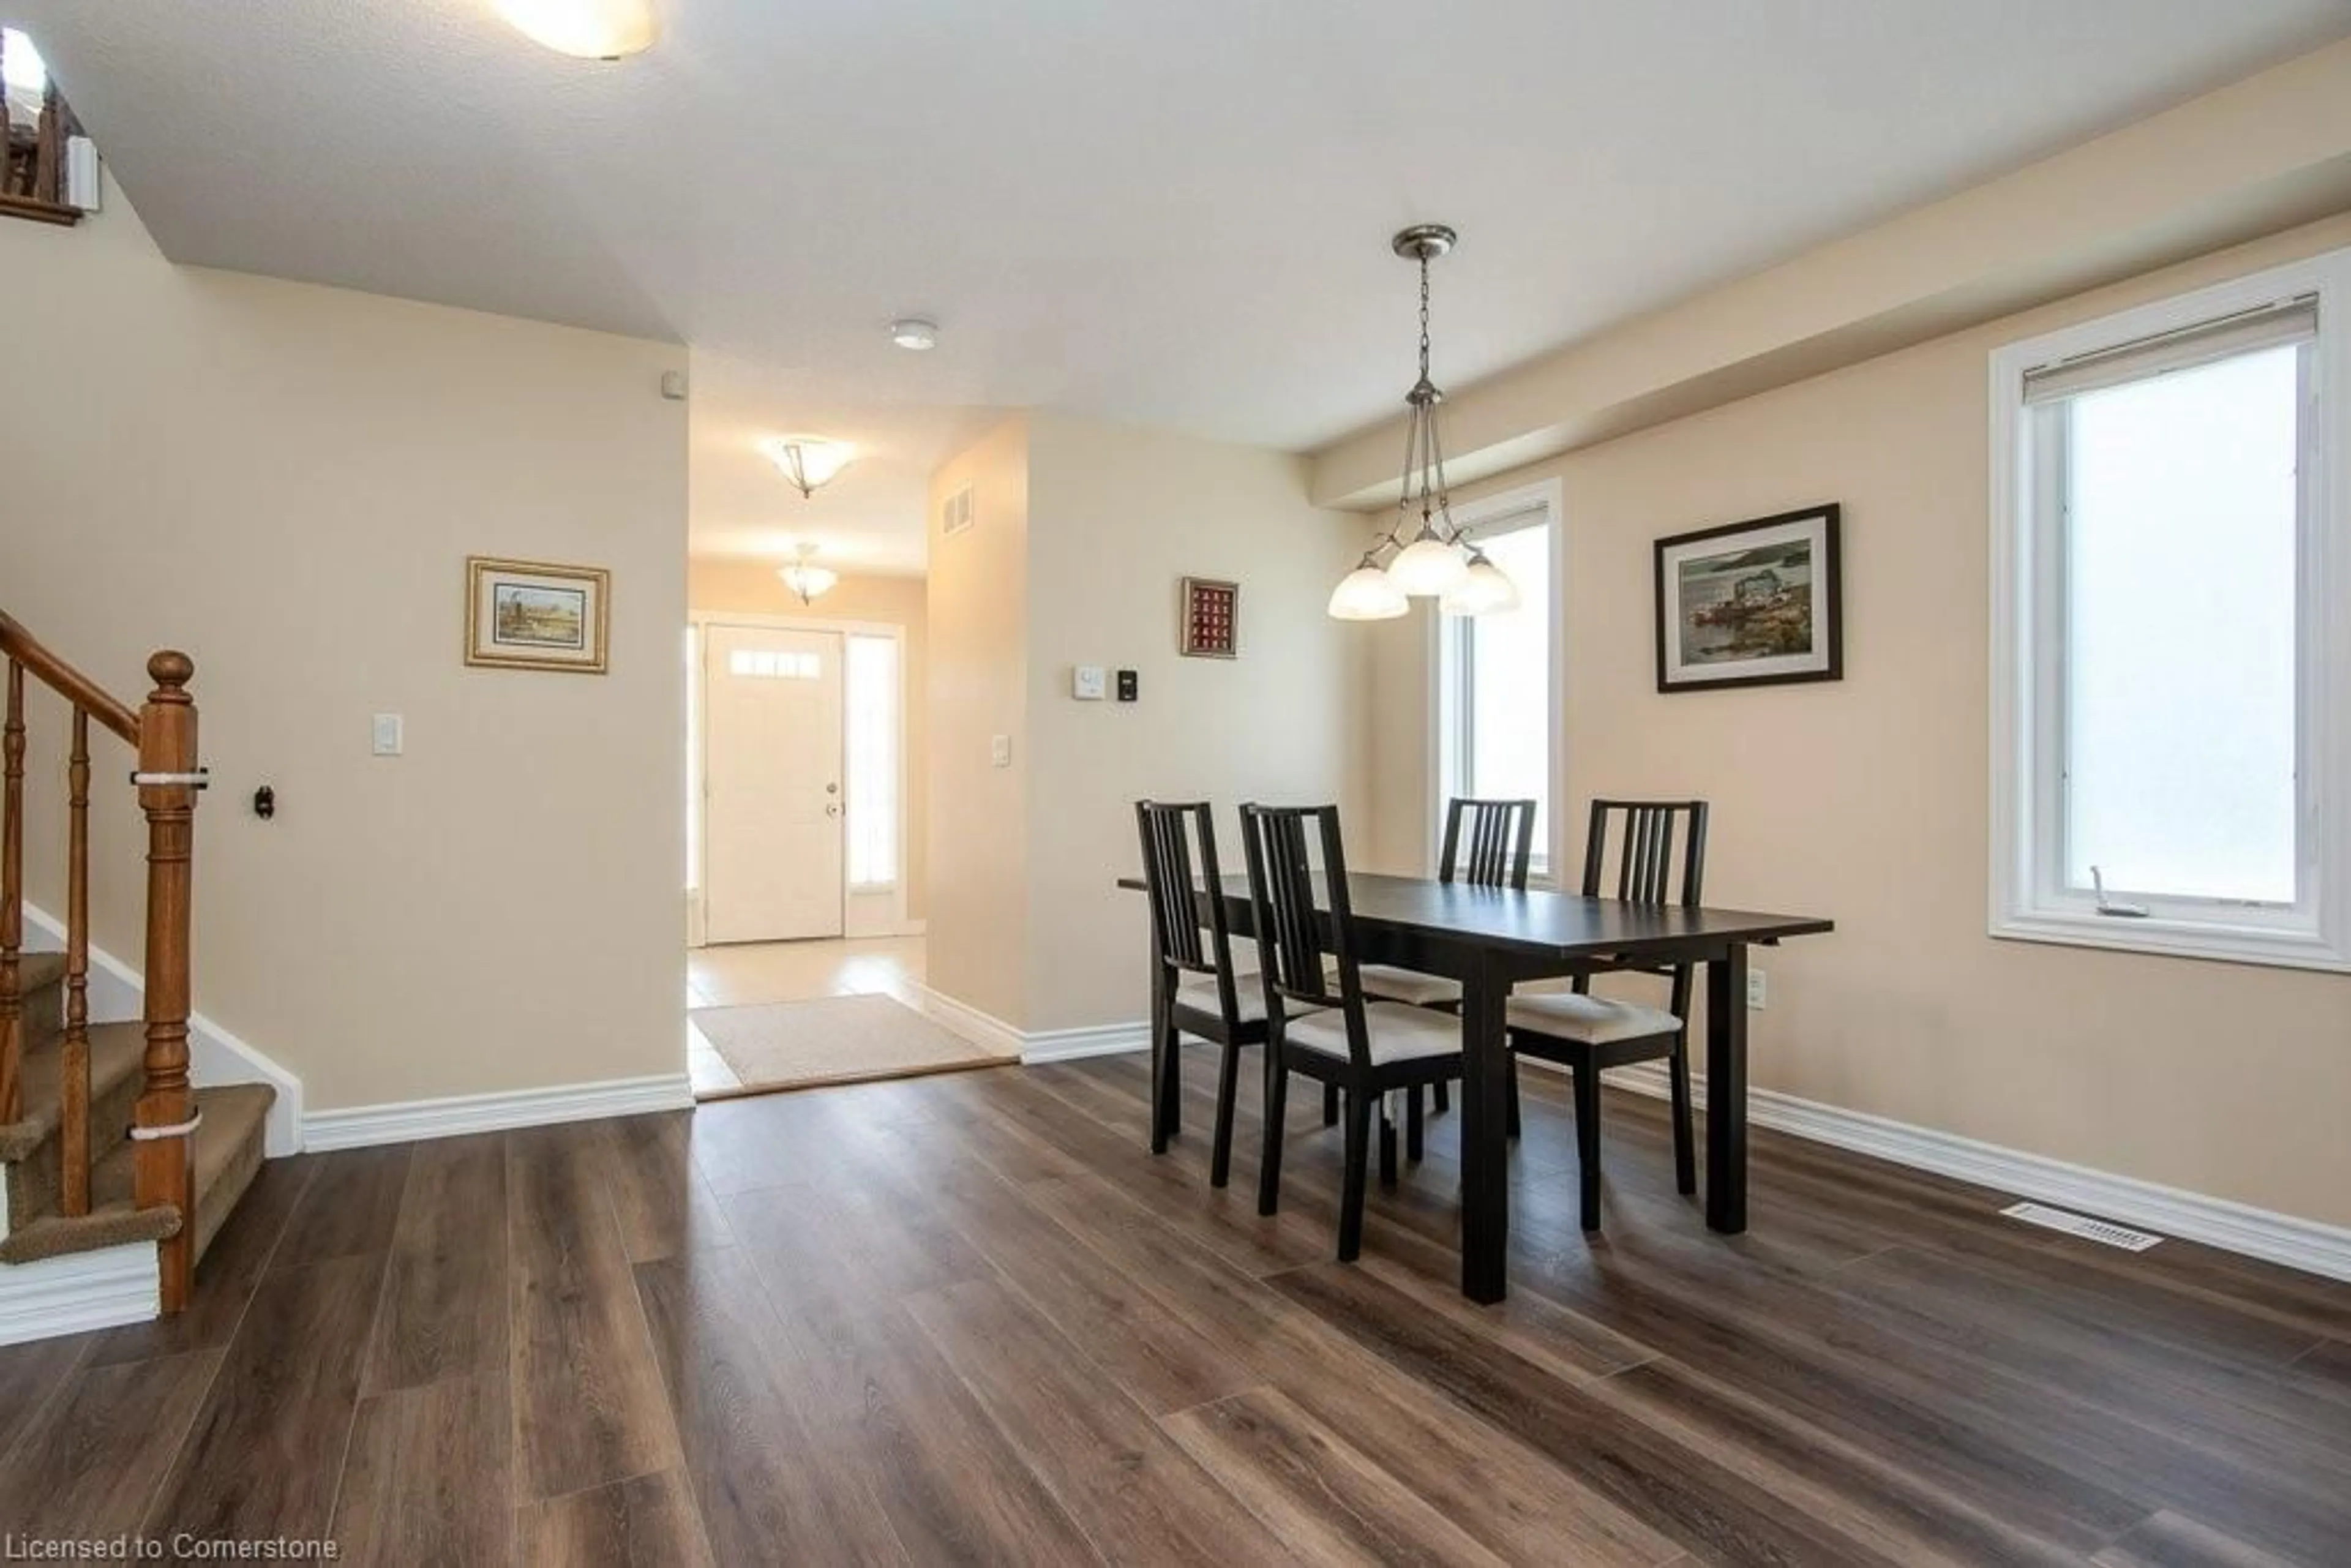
772	767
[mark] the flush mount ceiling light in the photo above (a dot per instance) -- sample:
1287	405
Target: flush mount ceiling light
917	332
809	462
585	29
1437	560
809	582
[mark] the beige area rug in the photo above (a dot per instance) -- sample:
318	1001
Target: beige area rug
834	1039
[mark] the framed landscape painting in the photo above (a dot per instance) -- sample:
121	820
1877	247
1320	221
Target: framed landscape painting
530	615
1751	604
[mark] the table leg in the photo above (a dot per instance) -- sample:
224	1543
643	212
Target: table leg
1485	1148
1725	1090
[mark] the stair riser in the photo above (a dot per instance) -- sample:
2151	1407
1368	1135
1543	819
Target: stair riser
34	1182
45	1016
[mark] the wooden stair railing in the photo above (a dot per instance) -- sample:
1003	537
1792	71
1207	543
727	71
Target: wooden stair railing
163	734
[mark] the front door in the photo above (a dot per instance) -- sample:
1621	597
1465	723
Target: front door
772	768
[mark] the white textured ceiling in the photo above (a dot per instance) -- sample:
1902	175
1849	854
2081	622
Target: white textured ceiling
1170	211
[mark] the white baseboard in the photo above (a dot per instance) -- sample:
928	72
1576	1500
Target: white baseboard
2283	1238
79	1293
991	1033
416	1120
984	1031
216	1056
1071	1044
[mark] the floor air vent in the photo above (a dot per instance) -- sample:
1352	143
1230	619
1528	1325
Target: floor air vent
2082	1225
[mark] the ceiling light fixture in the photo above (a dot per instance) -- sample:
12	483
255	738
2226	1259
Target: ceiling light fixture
809	462
1439	560
915	332
809	582
585	29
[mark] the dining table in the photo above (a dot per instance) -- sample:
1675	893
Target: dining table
1490	939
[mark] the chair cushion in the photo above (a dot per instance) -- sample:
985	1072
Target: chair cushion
1248	993
1395	985
1398	1030
1590	1020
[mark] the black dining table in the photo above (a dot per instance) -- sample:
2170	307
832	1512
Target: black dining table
1493	938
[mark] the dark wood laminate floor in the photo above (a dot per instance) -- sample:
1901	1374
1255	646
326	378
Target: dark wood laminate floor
968	1318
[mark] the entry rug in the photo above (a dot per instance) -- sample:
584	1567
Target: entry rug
834	1039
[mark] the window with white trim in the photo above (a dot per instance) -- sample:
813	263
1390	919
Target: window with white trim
870	702
2171	577
1495	671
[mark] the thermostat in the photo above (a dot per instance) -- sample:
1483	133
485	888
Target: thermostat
1086	684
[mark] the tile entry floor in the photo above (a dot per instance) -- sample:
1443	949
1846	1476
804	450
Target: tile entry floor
752	973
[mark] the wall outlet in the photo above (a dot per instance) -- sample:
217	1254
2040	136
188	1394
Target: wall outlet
1000	751
1757	989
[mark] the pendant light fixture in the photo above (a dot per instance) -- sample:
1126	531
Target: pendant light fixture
1436	560
807	581
585	29
809	462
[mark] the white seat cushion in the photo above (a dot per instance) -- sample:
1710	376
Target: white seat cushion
1398	1032
1590	1020
1395	985
1200	996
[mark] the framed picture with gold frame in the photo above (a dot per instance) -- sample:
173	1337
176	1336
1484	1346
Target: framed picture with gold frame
535	615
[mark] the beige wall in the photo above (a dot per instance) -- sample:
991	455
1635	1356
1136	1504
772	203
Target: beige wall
977	952
1866	800
1117	516
718	586
285	481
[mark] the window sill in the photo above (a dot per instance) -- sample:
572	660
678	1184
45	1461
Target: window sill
2176	939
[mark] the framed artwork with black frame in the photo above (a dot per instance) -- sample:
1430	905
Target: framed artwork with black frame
1756	603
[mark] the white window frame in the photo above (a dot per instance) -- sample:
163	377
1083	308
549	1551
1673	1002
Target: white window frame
1444	678
2028	899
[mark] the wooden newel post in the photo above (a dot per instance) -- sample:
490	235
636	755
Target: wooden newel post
166	1110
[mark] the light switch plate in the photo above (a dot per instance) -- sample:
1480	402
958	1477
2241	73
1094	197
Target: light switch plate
1089	684
387	735
1000	751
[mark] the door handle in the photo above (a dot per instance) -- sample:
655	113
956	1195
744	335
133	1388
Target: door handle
833	788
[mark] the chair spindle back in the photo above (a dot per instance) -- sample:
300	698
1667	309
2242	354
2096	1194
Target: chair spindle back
1488	843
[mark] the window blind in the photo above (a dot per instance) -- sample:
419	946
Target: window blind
2247	331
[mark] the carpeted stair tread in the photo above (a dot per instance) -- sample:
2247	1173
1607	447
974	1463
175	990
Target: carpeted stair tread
34	970
116	1050
226	1151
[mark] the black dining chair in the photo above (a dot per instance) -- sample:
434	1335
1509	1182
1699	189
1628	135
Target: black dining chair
1218	1002
1589	1034
1487	844
1321	1025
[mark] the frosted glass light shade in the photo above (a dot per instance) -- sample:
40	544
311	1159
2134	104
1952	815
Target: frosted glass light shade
1367	594
1484	590
1428	566
807	581
808	461
586	29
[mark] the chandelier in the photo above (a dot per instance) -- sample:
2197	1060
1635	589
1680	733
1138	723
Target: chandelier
807	580
1439	560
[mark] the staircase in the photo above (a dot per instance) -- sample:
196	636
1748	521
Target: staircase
104	1143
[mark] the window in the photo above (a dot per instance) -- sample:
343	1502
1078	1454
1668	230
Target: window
1496	672
2171	566
770	664
872	701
